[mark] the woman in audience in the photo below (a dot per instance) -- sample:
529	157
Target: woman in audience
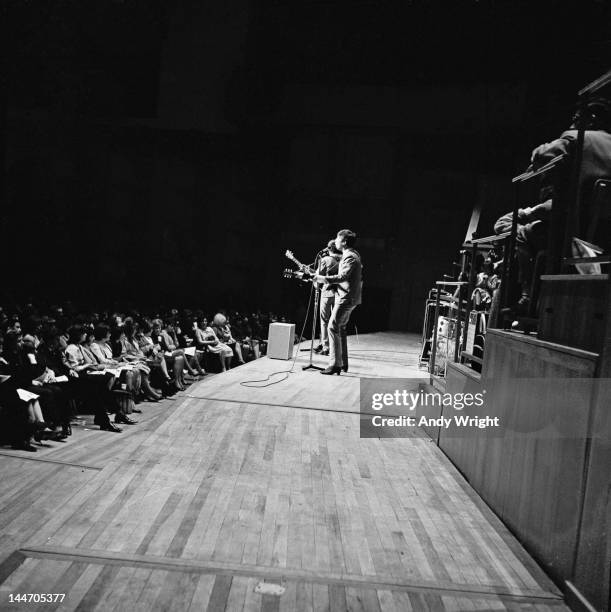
175	356
155	358
205	338
184	341
132	353
222	329
200	347
93	388
50	355
243	332
180	342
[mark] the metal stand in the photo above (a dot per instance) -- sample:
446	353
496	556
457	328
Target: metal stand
461	305
311	365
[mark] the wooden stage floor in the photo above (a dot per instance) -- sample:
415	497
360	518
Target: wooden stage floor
229	487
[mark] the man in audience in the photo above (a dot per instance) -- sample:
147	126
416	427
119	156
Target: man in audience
14	325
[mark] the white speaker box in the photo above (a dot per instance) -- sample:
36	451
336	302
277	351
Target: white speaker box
281	340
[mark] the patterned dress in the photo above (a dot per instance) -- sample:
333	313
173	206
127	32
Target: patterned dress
207	335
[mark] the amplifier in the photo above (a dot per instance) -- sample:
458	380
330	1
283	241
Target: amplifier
281	340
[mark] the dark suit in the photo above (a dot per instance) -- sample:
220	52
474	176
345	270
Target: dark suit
595	164
348	281
329	265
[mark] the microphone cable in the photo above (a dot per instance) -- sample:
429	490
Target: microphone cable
269	383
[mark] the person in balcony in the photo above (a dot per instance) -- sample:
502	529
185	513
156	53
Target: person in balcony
534	221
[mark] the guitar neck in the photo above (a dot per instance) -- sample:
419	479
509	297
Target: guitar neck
296	261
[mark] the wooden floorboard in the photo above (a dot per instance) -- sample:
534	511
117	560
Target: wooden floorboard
153	584
88	556
204	498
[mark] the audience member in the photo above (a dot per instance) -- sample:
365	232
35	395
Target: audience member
222	329
206	337
533	221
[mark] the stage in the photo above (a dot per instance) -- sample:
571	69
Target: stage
236	483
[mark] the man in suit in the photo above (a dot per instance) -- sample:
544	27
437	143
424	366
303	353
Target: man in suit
329	265
533	222
348	281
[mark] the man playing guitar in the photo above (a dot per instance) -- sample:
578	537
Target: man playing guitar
328	266
348	282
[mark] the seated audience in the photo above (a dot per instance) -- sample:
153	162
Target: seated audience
62	357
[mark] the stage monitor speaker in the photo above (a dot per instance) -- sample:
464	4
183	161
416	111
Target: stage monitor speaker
281	340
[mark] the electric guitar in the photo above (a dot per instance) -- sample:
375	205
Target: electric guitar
302	267
302	275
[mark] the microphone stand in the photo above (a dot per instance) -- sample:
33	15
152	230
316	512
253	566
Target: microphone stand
311	365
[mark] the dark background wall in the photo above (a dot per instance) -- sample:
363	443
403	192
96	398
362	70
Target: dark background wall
173	151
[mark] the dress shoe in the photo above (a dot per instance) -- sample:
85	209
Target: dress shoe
169	390
345	367
329	371
39	436
110	427
319	348
124	419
